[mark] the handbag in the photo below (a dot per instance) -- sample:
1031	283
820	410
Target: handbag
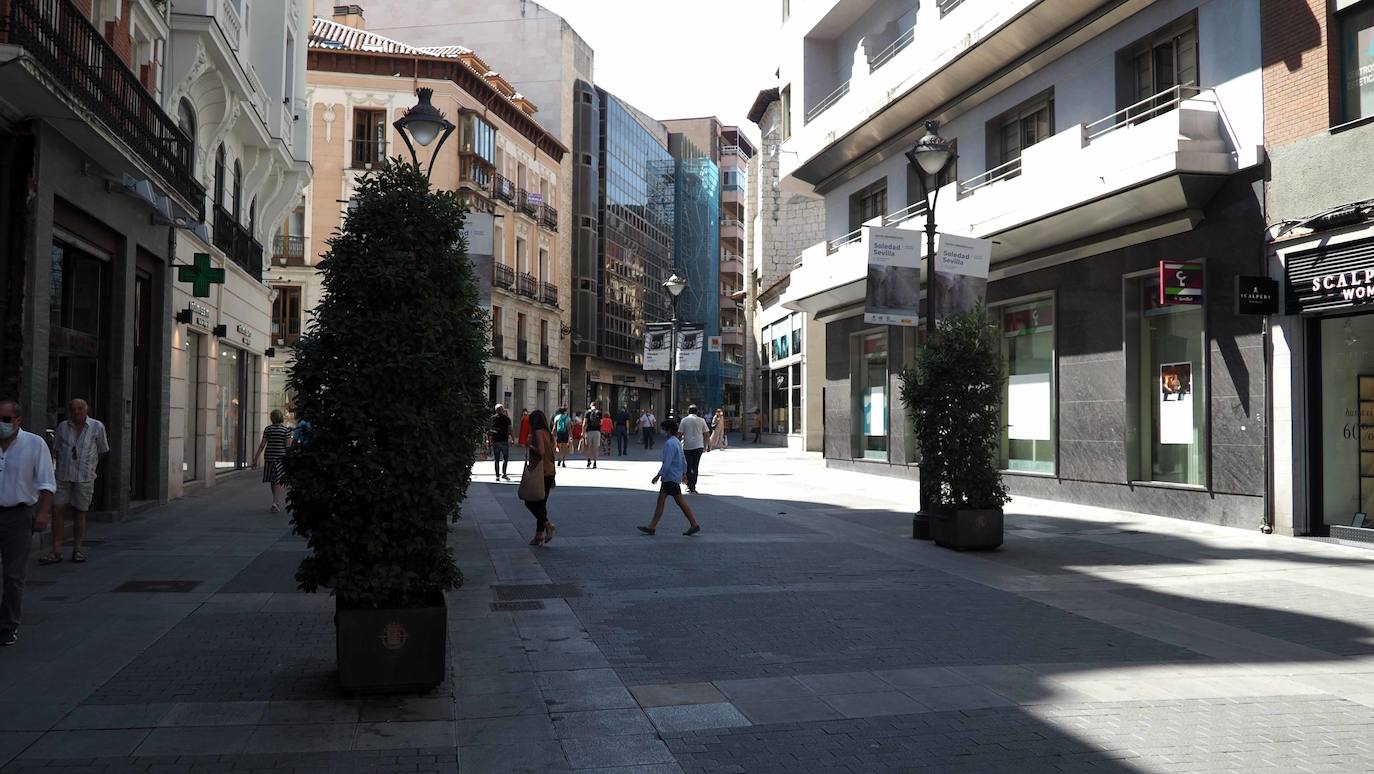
532	478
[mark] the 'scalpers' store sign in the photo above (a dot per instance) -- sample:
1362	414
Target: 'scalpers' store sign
1355	285
1330	277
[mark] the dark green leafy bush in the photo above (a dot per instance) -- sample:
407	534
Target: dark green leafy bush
391	376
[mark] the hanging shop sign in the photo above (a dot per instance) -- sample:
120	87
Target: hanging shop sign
893	291
1332	277
245	334
1180	283
713	344
200	274
1257	295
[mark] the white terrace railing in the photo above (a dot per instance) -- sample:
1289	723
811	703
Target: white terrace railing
904	214
1000	172
892	50
834	245
827	103
1143	110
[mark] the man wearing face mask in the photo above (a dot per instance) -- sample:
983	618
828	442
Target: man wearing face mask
26	483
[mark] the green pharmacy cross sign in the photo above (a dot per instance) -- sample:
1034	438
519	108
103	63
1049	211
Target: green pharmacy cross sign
201	275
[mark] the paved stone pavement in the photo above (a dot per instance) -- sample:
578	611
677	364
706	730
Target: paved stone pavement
802	630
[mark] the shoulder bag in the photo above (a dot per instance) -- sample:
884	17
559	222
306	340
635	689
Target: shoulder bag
532	478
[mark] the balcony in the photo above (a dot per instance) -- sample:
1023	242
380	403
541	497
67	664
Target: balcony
368	154
548	217
527	205
526	285
731	264
544	355
288	250
95	95
548	293
237	244
503	189
728	302
502	275
731	228
733	150
1136	175
731	336
522	350
498	347
829	101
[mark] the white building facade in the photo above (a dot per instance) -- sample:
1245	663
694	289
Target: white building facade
1095	141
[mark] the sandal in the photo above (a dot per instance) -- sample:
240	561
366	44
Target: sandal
50	559
549	533
645	530
538	539
78	557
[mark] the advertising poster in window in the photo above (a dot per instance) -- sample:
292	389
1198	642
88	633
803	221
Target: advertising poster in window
961	274
657	347
875	411
690	342
1028	407
1176	403
894	277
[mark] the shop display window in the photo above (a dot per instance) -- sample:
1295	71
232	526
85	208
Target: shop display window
871	399
1346	432
1028	397
1167	377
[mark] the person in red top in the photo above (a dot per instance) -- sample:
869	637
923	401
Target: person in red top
524	427
577	432
607	427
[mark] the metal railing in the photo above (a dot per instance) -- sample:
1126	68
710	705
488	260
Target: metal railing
522	350
548	217
368	153
525	204
502	188
827	103
892	50
237	244
1143	110
544	355
526	285
1000	172
502	275
732	150
946	6
57	35
904	214
498	346
548	293
288	250
834	245
731	223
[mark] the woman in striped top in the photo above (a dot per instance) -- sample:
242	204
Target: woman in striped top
275	438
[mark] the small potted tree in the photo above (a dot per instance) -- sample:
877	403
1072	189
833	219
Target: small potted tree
391	377
954	395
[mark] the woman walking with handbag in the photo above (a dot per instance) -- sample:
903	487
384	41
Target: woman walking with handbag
537	479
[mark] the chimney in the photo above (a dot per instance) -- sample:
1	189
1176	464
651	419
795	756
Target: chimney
350	16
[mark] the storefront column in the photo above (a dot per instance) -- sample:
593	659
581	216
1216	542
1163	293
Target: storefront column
33	381
121	376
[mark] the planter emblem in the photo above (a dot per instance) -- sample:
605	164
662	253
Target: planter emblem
394	636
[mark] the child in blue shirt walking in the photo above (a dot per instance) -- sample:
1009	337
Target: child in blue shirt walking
671	472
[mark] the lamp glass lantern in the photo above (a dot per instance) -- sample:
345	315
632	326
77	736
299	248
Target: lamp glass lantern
424	123
674	285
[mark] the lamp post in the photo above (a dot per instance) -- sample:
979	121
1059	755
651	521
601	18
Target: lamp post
423	123
674	285
929	158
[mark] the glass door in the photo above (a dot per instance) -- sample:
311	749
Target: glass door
871	401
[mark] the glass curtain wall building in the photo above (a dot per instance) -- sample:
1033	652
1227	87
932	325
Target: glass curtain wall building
696	257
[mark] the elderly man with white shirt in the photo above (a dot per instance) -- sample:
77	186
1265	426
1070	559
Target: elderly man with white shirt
26	488
81	441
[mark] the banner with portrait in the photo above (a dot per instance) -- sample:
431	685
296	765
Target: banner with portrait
961	274
893	293
690	343
657	346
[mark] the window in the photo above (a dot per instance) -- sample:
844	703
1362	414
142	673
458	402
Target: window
289	78
522	260
1156	64
543	265
237	199
777	401
796	397
219	177
1357	62
870	395
190	450
186	121
786	9
477	148
785	96
497	345
498	243
1028	405
868	203
1167	381
369	138
1017	129
286	315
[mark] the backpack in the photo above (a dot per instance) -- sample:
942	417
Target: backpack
560	423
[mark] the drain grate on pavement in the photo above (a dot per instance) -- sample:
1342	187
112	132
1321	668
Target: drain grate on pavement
507	592
515	607
157	586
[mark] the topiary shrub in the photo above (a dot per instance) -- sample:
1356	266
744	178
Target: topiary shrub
953	393
391	376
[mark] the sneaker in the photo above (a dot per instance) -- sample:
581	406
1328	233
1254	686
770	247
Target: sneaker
8	637
693	531
593	464
645	530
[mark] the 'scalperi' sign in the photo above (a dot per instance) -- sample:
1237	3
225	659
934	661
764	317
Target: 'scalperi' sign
1357	285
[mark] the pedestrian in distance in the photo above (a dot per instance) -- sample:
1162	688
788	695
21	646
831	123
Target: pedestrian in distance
758	425
718	437
498	439
524	427
540	459
607	432
669	480
591	435
275	438
577	431
80	442
301	430
647	423
622	432
27	484
696	441
561	435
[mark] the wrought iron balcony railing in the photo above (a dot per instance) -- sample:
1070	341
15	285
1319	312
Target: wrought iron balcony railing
288	250
502	188
527	285
544	355
526	204
522	351
548	293
498	347
368	153
237	244
548	217
502	275
59	37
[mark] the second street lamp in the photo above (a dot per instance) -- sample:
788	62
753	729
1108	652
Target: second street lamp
674	285
929	159
423	123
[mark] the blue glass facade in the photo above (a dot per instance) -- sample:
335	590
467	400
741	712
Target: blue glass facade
696	257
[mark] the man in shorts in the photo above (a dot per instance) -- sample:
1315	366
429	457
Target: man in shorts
80	442
591	436
672	470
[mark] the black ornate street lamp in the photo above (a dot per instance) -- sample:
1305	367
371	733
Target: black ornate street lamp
423	123
674	285
929	159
